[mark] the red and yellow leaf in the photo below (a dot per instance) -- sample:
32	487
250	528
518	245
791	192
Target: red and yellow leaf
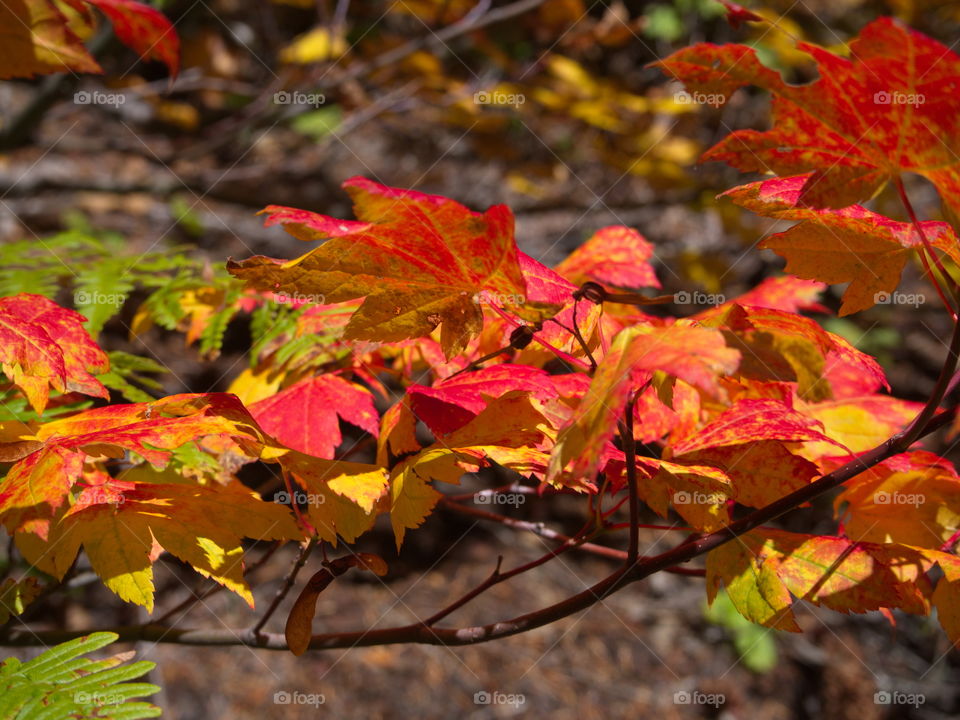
885	110
123	534
420	261
304	416
614	255
43	346
695	354
852	245
144	30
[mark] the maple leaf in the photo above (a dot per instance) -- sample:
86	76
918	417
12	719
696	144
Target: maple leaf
788	293
852	245
760	472
123	533
750	420
946	597
304	416
912	499
694	354
837	573
508	431
37	37
699	494
784	346
451	404
16	595
43	346
419	261
746	441
737	15
398	433
614	255
859	423
888	109
37	486
144	30
752	584
341	496
543	284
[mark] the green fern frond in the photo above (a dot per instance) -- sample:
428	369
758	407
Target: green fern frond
61	683
126	369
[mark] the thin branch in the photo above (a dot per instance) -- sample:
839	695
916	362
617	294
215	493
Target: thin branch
301	560
913	431
630	453
543	531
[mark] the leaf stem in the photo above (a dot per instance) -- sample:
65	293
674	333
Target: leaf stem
905	199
